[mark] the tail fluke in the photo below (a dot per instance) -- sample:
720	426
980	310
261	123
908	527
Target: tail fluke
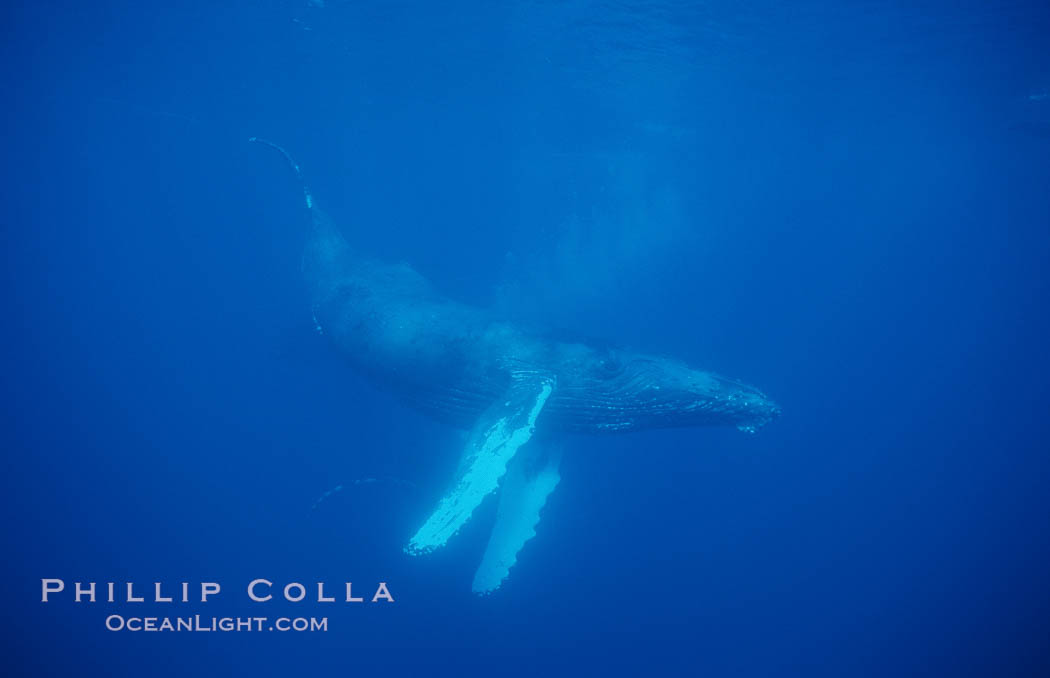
295	168
326	254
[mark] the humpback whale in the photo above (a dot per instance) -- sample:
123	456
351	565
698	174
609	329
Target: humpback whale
513	390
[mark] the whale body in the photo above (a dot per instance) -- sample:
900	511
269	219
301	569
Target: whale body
476	371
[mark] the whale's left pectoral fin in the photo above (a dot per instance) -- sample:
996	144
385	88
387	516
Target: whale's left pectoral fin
532	476
503	428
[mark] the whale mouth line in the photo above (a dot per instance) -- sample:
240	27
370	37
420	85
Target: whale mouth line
597	407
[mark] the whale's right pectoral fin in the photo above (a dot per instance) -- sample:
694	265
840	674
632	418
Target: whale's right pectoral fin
503	428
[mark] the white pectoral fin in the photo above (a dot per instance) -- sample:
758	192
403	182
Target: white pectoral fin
531	478
503	428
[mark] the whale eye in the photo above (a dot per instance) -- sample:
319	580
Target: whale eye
609	367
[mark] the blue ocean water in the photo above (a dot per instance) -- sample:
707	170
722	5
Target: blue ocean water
843	203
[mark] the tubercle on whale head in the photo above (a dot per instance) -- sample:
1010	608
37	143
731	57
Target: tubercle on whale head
758	409
734	402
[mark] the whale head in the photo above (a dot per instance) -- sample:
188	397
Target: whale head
625	391
696	397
